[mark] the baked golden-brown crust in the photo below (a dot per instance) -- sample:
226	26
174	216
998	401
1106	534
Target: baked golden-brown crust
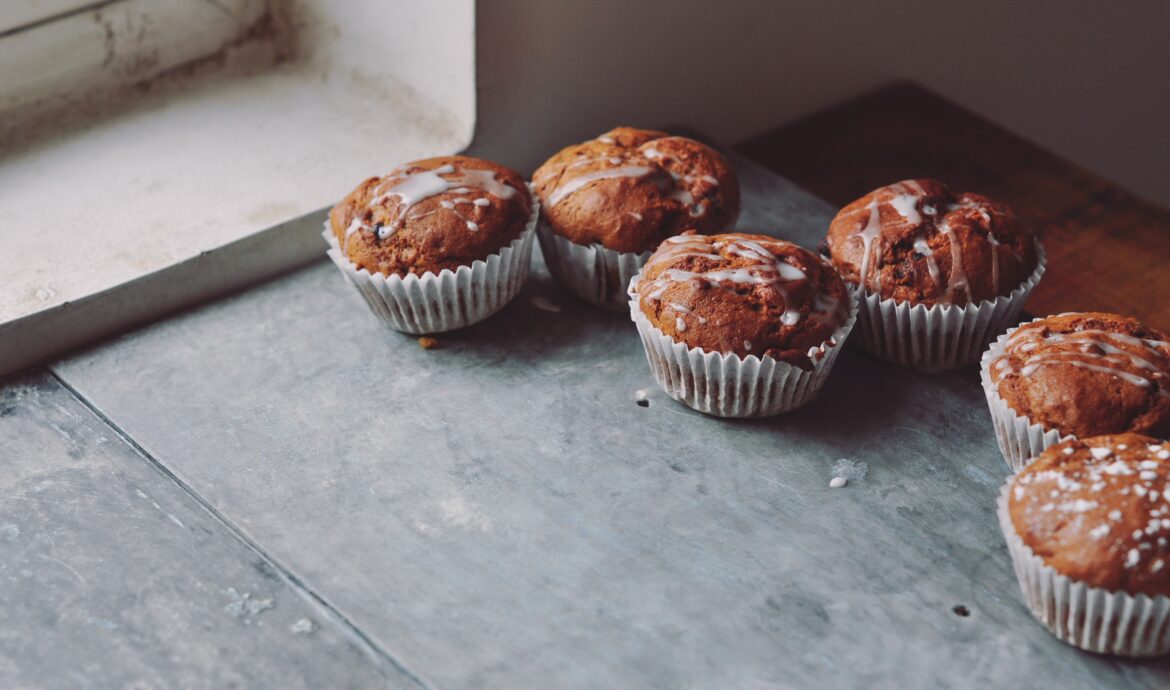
744	294
917	241
1087	374
1097	511
629	189
430	215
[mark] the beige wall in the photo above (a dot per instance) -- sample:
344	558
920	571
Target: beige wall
1086	78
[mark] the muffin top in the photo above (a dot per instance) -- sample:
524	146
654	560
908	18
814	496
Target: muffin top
1087	374
919	242
1096	510
629	189
744	294
431	214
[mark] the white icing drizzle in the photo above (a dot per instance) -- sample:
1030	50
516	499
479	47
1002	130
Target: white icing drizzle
871	235
907	206
414	185
907	197
354	226
567	188
957	278
581	162
924	249
1116	354
683	309
766	269
633	163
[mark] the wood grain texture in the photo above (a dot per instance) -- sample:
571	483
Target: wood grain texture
1107	249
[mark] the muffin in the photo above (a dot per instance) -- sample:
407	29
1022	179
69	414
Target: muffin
740	325
940	273
1073	376
436	244
607	203
1087	525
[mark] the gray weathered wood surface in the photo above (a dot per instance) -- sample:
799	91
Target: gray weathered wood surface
112	576
500	513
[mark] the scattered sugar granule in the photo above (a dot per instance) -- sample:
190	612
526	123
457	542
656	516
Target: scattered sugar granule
1115	515
1132	558
303	626
1101	453
838	482
1099	532
1069	450
851	471
1078	506
1164	454
1122	446
1117	467
542	302
1156	565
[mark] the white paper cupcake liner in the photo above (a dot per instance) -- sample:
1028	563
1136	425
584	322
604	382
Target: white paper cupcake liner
1090	618
1020	439
942	336
726	385
433	303
593	273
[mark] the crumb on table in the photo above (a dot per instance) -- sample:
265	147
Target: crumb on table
428	343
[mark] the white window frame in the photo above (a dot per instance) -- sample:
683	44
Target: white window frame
213	175
58	54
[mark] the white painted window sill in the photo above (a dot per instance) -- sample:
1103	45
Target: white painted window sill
189	191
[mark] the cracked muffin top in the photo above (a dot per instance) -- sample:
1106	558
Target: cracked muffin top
1087	374
918	241
430	215
629	189
744	294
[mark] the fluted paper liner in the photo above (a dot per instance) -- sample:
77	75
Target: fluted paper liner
943	336
1020	439
1090	618
447	301
727	385
593	273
